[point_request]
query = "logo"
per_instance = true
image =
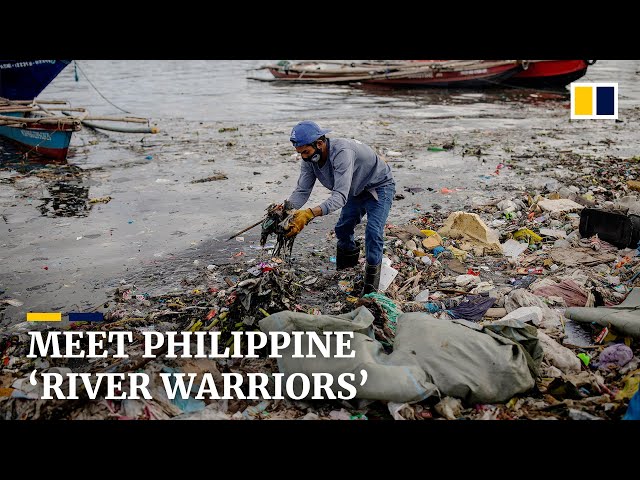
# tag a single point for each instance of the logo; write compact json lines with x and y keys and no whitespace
{"x":57,"y":317}
{"x":594,"y":101}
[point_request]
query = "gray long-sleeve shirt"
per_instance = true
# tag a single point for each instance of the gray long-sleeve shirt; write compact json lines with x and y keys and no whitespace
{"x":352,"y":168}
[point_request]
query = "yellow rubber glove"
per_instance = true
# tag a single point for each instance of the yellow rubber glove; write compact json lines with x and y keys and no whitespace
{"x":300,"y":219}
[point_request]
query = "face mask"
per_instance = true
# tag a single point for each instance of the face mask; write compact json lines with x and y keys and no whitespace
{"x":315,"y":157}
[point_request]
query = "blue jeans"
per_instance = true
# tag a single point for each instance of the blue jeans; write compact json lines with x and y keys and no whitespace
{"x":377,"y":212}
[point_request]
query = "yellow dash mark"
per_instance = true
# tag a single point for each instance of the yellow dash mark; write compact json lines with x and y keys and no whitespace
{"x":44,"y":317}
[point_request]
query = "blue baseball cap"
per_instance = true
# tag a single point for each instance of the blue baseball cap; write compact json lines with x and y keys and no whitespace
{"x":305,"y":133}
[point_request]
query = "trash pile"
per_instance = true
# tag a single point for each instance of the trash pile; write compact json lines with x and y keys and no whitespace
{"x":262,"y":290}
{"x":563,"y":260}
{"x":549,"y":277}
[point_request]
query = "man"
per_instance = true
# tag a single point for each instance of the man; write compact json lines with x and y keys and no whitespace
{"x":360,"y":183}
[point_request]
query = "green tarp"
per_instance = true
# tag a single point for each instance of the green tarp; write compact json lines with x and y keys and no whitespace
{"x":430,"y":356}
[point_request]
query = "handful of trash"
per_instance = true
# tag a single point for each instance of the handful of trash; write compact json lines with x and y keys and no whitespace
{"x":277,"y":223}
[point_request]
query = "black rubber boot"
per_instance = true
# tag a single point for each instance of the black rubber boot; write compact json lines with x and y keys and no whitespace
{"x":347,"y":258}
{"x":371,"y":278}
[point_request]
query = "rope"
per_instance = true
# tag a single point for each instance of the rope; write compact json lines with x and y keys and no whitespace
{"x":35,"y":148}
{"x":96,"y":89}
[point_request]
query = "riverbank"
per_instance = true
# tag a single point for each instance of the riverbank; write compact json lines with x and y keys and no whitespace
{"x":162,"y":234}
{"x":63,"y":259}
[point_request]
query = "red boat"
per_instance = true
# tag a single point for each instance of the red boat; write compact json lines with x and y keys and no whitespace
{"x":549,"y":73}
{"x":431,"y":73}
{"x":435,"y":73}
{"x":481,"y":73}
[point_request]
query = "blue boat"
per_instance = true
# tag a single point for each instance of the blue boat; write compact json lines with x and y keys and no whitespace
{"x":37,"y":126}
{"x":46,"y":136}
{"x":25,"y":79}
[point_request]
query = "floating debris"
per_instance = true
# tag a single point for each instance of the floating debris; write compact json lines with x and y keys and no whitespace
{"x":106,"y":199}
{"x":212,"y":178}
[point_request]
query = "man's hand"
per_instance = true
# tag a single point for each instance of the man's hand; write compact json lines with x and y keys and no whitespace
{"x":299,"y":221}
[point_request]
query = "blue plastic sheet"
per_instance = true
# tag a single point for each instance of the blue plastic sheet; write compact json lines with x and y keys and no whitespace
{"x":633,"y":411}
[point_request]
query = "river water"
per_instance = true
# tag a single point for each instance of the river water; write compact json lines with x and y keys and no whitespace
{"x":208,"y":90}
{"x":59,"y":252}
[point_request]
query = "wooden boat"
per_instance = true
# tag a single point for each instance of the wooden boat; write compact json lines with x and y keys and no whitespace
{"x":433,"y":73}
{"x":47,"y":130}
{"x":26,"y":79}
{"x":448,"y":73}
{"x":37,"y":130}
